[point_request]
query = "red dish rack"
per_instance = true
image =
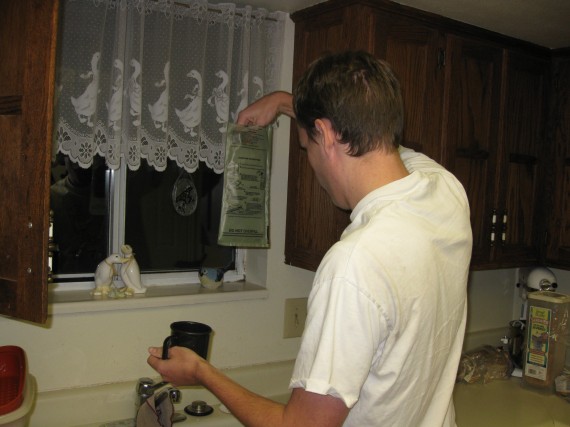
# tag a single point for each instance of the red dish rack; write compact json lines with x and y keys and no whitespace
{"x":12,"y":378}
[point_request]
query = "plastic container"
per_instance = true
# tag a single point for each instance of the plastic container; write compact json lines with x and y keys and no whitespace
{"x":21,"y":416}
{"x":12,"y":378}
{"x":546,"y":338}
{"x":17,"y":388}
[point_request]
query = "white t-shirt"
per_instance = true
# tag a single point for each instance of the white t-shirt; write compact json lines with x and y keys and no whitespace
{"x":387,"y":311}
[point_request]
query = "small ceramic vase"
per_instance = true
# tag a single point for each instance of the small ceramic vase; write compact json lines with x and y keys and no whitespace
{"x":211,"y":277}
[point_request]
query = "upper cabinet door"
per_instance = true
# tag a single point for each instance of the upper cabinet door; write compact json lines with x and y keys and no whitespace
{"x":558,"y":206}
{"x":416,"y":55}
{"x":471,"y":133}
{"x":314,"y":224}
{"x":524,"y":108}
{"x":28,"y":31}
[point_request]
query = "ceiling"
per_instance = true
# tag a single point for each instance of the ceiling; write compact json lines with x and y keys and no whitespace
{"x":542,"y":22}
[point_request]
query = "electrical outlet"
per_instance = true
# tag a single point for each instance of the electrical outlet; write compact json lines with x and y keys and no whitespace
{"x":295,"y":316}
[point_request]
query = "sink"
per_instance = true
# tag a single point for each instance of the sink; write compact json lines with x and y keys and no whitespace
{"x":112,"y":405}
{"x":219,"y":418}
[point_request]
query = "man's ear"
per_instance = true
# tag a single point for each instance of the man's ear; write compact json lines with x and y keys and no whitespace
{"x":326,"y":134}
{"x":329,"y":137}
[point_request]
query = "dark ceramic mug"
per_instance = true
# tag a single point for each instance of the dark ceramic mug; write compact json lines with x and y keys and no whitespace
{"x":192,"y":335}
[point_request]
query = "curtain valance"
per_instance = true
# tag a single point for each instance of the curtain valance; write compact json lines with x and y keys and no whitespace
{"x":158,"y":79}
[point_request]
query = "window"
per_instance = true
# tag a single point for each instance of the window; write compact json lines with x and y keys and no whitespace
{"x":169,"y":218}
{"x":144,"y":93}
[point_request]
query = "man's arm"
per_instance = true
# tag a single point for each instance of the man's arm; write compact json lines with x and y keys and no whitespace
{"x":266,"y":109}
{"x":184,"y":367}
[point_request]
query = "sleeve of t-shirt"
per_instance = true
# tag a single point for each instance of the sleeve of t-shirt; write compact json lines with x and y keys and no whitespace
{"x":343,"y":334}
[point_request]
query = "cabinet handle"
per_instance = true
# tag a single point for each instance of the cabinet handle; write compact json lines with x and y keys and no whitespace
{"x":52,"y":247}
{"x":522,"y":159}
{"x":440,"y":59}
{"x":493,"y":226}
{"x":504,"y":231}
{"x":472,"y":153}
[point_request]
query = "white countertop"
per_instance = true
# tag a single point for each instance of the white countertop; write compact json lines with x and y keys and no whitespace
{"x":507,"y":403}
{"x":500,"y":403}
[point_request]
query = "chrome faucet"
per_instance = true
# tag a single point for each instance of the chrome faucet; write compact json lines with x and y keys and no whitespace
{"x":146,"y":388}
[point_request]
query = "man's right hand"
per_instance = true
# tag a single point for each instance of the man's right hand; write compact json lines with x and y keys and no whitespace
{"x":266,"y":109}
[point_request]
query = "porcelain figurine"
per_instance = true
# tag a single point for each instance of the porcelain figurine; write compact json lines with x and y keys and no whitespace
{"x":122,"y":292}
{"x":211,"y":277}
{"x":104,"y":274}
{"x":130,"y":272}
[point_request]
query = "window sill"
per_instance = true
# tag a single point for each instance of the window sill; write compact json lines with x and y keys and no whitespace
{"x":81,"y":301}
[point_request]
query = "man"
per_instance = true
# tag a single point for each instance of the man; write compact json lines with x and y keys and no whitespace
{"x":387,"y":310}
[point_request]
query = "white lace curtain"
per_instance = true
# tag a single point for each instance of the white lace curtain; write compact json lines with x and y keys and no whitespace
{"x":158,"y":79}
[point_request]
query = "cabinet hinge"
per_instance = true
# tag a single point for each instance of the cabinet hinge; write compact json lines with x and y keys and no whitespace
{"x":441,"y":58}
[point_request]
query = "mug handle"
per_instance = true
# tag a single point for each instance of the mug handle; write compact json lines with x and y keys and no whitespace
{"x":166,"y":346}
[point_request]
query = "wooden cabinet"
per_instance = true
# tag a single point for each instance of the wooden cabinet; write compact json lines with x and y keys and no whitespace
{"x":558,"y":184}
{"x":416,"y":54}
{"x":494,"y":140}
{"x":522,"y":161}
{"x":28,"y":31}
{"x":414,"y":51}
{"x":313,"y":222}
{"x":470,"y":137}
{"x":473,"y":101}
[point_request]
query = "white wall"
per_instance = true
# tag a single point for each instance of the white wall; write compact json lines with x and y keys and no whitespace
{"x":563,"y":278}
{"x":75,"y":350}
{"x":490,"y":296}
{"x":495,"y":300}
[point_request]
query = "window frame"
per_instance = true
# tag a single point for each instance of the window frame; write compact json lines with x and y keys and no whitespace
{"x":116,"y":190}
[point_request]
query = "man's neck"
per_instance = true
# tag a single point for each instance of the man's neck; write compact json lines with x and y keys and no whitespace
{"x":371,"y":171}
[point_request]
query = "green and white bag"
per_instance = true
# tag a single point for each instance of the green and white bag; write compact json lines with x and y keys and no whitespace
{"x":245,"y":205}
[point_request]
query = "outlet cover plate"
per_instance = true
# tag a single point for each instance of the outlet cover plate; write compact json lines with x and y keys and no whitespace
{"x":295,"y":316}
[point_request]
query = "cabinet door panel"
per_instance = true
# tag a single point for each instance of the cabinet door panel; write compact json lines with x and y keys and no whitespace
{"x":413,"y":51}
{"x":558,"y":208}
{"x":27,"y":42}
{"x":559,"y":233}
{"x":470,"y":138}
{"x":523,"y":144}
{"x":314,"y":224}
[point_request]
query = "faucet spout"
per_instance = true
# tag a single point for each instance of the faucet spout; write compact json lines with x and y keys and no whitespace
{"x":146,"y":388}
{"x":169,"y":393}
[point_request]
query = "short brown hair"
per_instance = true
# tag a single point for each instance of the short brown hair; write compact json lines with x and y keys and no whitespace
{"x":359,"y":94}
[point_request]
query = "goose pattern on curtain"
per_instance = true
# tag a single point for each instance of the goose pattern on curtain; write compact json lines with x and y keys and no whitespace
{"x":158,"y":79}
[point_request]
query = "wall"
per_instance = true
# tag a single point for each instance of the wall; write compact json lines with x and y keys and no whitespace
{"x":495,"y":300}
{"x":490,"y":301}
{"x":75,"y":350}
{"x":563,"y":278}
